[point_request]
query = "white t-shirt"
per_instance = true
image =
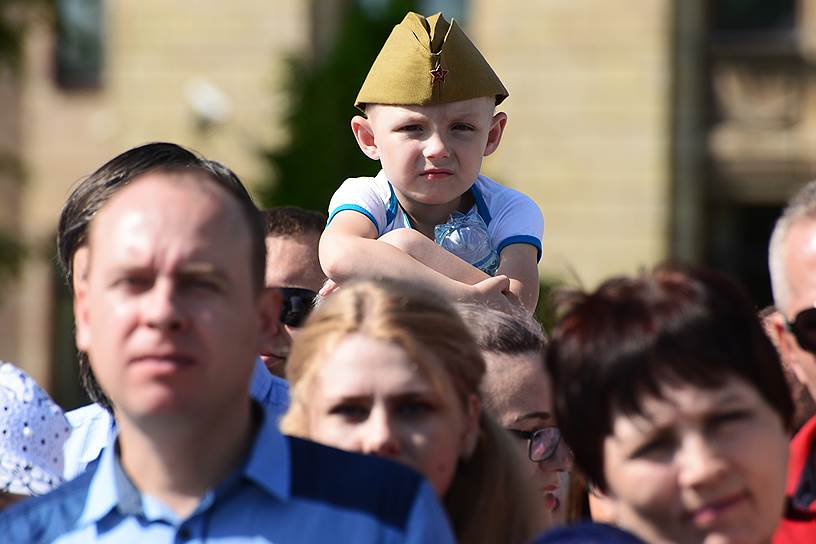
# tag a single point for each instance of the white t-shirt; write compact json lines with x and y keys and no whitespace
{"x":511,"y":217}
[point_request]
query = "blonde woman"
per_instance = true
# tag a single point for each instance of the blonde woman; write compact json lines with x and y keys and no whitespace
{"x":390,"y":370}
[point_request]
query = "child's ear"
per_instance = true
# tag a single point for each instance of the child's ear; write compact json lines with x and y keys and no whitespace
{"x":364,"y":134}
{"x":495,"y":134}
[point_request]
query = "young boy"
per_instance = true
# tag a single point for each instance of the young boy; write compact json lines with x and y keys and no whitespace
{"x":429,"y":102}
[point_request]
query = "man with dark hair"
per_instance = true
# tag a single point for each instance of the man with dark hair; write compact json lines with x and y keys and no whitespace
{"x":293,"y":268}
{"x":92,"y":424}
{"x":172,"y":312}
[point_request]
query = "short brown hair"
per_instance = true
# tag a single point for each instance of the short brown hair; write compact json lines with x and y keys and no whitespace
{"x":499,"y":332}
{"x":293,"y":221}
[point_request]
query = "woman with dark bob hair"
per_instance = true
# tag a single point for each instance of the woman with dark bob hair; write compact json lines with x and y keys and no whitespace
{"x":675,"y":405}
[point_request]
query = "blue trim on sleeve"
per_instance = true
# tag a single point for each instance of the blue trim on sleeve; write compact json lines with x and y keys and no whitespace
{"x":391,"y":208}
{"x":481,"y":207}
{"x":354,"y":208}
{"x":521,"y":239}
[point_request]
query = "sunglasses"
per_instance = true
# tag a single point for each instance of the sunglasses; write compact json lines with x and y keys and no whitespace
{"x":297,"y":305}
{"x":541,"y":444}
{"x":803,"y":328}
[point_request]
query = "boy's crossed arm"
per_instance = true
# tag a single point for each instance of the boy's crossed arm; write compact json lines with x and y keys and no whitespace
{"x":349,"y":249}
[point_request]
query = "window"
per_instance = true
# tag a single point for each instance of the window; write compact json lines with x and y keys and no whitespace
{"x":79,"y":48}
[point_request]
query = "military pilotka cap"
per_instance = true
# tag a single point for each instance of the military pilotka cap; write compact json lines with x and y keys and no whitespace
{"x":428,"y":61}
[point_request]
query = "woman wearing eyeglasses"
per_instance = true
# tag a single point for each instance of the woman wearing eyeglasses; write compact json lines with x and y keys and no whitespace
{"x":390,"y":370}
{"x":673,"y":401}
{"x":517,"y":393}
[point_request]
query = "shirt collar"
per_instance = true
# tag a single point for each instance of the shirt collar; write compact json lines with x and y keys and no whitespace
{"x":393,"y":203}
{"x":261,"y":380}
{"x":481,"y":206}
{"x":103,"y":495}
{"x":267,"y":465}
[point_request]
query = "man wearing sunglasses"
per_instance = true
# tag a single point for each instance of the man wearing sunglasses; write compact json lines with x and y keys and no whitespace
{"x":792,"y":261}
{"x":292,"y":266}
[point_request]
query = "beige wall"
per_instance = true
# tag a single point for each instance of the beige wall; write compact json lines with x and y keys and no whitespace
{"x":588,"y":133}
{"x":588,"y":136}
{"x":155,"y":50}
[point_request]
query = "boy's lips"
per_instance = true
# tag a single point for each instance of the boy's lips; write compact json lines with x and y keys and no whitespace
{"x":436,"y":173}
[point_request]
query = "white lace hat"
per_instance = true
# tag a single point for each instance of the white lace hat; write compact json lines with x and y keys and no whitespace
{"x":33,"y":430}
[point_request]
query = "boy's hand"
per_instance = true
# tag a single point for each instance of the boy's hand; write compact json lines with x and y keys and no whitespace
{"x":493,"y":292}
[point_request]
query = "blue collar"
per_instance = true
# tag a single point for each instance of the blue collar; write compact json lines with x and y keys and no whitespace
{"x":394,"y":205}
{"x":267,"y":466}
{"x":263,"y":380}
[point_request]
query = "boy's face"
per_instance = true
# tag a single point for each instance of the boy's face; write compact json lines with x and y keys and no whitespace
{"x":431,"y":154}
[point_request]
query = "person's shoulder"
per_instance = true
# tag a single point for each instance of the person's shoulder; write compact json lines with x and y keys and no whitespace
{"x":44,"y":518}
{"x":588,"y":533}
{"x":364,"y":484}
{"x":492,"y":190}
{"x":801,"y":450}
{"x":806,"y":436}
{"x":379,"y":183}
{"x":88,"y":414}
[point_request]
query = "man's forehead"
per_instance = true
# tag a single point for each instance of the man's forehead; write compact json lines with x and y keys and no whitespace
{"x":151,"y":190}
{"x":292,"y":261}
{"x":175,"y":214}
{"x":800,"y":260}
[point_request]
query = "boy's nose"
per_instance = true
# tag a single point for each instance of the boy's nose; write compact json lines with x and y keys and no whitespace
{"x":436,"y":147}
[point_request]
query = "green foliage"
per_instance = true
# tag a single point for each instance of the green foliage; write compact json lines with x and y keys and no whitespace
{"x":14,"y":18}
{"x":322,"y":152}
{"x":11,"y":255}
{"x":11,"y":32}
{"x":546,"y":309}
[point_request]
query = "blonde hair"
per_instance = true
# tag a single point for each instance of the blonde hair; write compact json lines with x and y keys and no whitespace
{"x":489,"y":500}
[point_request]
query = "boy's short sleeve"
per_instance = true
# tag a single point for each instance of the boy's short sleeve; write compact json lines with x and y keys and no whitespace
{"x":514,"y":217}
{"x":366,"y":196}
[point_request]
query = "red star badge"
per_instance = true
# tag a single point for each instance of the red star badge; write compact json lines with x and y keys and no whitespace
{"x":439,"y":74}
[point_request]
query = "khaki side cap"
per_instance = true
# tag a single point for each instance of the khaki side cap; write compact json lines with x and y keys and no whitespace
{"x":401,"y":73}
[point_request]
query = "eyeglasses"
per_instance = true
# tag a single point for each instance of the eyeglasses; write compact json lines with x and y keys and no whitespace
{"x":542,"y":443}
{"x":803,"y":328}
{"x":297,"y":305}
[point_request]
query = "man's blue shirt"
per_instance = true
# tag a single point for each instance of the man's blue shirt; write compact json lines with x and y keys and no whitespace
{"x":286,"y":490}
{"x":92,"y":426}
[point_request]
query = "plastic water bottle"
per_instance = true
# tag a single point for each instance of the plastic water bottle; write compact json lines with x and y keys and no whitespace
{"x":465,"y":235}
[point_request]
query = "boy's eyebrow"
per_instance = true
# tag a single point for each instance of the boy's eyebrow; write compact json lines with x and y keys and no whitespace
{"x":410,"y":116}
